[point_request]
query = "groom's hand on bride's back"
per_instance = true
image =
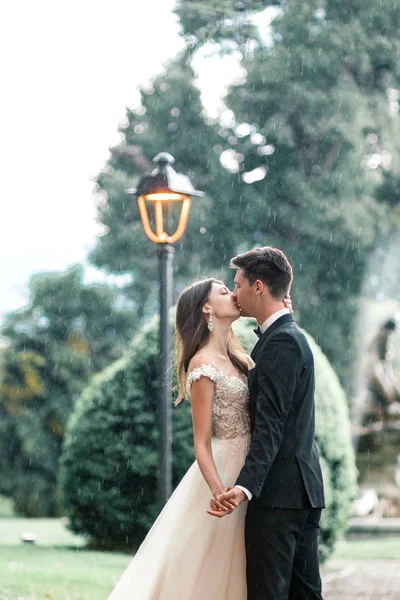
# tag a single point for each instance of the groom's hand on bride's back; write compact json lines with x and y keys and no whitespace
{"x":287,"y":301}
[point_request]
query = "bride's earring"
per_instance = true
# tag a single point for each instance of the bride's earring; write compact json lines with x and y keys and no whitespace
{"x":210,"y":323}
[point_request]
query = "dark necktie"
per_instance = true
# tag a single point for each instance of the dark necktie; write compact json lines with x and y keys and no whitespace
{"x":257,"y":332}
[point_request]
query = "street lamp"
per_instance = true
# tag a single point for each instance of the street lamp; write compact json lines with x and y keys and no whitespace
{"x":164,"y":199}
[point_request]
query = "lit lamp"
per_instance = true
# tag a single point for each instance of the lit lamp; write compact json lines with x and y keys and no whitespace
{"x":164,"y":199}
{"x":162,"y":191}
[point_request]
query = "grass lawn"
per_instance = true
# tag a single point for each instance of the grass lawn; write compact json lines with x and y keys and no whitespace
{"x":373,"y":549}
{"x":36,"y":573}
{"x":59,"y":568}
{"x":6,"y":508}
{"x":50,"y":532}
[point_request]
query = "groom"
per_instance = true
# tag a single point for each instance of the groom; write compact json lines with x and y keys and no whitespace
{"x":281,"y":477}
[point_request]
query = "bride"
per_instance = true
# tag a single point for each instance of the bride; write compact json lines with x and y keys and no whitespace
{"x":188,"y":554}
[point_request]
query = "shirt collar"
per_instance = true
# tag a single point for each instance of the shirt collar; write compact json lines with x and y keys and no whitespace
{"x":274,"y":317}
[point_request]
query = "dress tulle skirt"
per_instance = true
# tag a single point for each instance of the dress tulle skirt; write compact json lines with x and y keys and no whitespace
{"x":188,"y":554}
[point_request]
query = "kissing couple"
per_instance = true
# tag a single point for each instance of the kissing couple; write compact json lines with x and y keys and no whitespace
{"x":244,"y":520}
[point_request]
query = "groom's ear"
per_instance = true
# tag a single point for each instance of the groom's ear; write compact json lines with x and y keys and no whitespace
{"x":259,"y":287}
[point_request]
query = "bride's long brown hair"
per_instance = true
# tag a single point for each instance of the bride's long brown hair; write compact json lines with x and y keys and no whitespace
{"x":192,"y":333}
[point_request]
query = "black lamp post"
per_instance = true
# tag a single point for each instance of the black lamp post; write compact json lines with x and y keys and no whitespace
{"x":164,"y":199}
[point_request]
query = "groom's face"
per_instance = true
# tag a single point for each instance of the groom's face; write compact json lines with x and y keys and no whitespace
{"x":244,"y":295}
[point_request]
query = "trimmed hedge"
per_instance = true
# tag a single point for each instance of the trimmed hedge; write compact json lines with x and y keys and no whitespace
{"x":338,"y":460}
{"x":110,"y":462}
{"x":109,"y":466}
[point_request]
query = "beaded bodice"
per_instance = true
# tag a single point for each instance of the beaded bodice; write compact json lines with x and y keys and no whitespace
{"x":230,"y":416}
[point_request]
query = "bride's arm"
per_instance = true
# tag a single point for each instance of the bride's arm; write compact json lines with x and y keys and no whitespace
{"x":202,"y":394}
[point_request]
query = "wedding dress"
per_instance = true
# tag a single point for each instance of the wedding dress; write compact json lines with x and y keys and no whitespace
{"x":189,"y":554}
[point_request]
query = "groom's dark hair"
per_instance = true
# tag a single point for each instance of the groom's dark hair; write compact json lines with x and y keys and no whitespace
{"x":269,"y":265}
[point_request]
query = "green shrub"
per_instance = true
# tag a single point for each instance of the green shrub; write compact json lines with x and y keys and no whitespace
{"x":334,"y":440}
{"x":110,"y":462}
{"x":68,"y":331}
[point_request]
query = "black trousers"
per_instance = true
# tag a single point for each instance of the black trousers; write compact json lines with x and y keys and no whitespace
{"x":282,"y":553}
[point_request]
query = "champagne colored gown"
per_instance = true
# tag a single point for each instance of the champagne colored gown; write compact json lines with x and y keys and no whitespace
{"x":188,"y":554}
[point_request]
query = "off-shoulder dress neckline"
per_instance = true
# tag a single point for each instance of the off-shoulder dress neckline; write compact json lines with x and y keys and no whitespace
{"x":210,"y":364}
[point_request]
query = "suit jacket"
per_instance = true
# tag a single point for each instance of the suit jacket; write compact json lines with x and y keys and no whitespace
{"x":282,"y":466}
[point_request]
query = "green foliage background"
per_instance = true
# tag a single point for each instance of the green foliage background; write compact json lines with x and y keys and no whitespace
{"x":313,"y":115}
{"x":67,"y":332}
{"x":304,"y":156}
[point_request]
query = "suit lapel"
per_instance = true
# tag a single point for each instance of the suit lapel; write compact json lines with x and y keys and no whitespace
{"x":267,"y":333}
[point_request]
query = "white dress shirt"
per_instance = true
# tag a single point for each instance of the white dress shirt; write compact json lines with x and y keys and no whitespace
{"x":263,"y":328}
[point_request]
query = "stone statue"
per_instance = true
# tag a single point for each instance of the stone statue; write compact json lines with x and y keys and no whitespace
{"x":377,"y":428}
{"x":382,"y":383}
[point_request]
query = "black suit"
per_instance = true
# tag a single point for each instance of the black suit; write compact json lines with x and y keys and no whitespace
{"x":282,"y":469}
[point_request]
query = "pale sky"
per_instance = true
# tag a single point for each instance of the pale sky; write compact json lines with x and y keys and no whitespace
{"x":69,"y":69}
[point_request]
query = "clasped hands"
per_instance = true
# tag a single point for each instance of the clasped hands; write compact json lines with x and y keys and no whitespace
{"x":226,"y":501}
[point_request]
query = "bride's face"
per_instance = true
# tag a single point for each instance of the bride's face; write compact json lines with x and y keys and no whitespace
{"x":221,"y":303}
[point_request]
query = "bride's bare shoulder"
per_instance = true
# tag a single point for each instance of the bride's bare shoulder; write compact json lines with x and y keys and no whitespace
{"x":198,"y":360}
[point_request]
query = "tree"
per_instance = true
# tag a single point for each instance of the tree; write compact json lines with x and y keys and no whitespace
{"x":110,"y":459}
{"x":68,"y":331}
{"x":171,"y":117}
{"x":308,"y":162}
{"x":320,"y":106}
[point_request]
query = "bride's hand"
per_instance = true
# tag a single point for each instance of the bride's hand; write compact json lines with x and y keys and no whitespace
{"x":287,"y":301}
{"x":229,"y":505}
{"x":217,"y":508}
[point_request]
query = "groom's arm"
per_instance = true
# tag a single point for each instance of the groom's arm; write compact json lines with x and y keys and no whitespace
{"x":278,"y":371}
